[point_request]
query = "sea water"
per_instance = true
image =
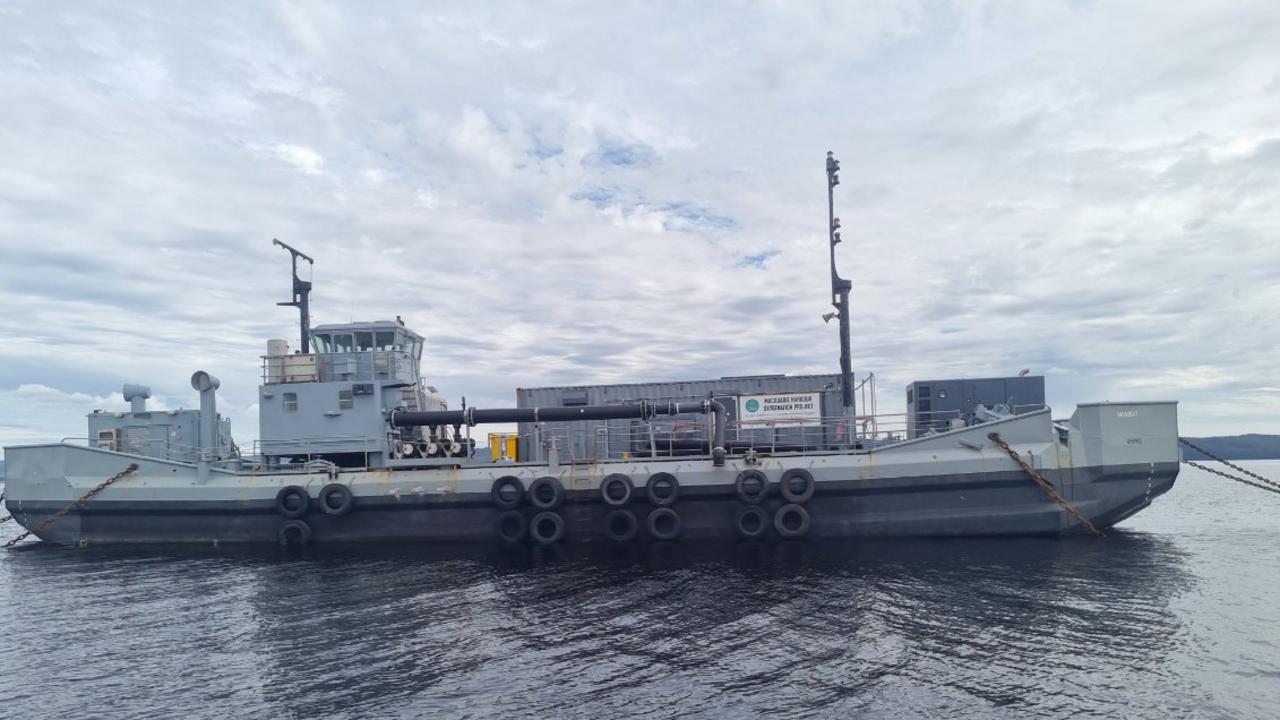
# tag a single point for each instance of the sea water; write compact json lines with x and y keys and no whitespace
{"x":1174,"y":614}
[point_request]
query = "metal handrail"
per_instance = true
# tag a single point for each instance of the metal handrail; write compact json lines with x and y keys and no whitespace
{"x":354,"y":366}
{"x":670,"y":437}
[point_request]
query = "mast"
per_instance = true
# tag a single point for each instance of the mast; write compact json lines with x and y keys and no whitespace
{"x":839,"y":297}
{"x":301,"y":294}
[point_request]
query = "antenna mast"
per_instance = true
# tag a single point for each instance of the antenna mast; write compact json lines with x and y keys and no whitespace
{"x":839,"y":297}
{"x":301,"y":293}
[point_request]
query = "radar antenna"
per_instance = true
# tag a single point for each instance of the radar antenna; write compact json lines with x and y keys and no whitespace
{"x":301,"y":293}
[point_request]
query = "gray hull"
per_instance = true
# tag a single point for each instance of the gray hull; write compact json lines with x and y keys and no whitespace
{"x":1109,"y":461}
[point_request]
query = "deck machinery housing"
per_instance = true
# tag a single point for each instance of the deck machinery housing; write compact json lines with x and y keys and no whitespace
{"x":355,"y":446}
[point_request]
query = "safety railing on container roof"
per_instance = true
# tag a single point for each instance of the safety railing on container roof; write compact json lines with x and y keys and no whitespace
{"x":583,"y":442}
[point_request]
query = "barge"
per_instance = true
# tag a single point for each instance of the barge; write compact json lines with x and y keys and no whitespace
{"x":355,"y":446}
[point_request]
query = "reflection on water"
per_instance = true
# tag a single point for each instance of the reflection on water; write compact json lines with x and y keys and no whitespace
{"x":790,"y":628}
{"x":1131,"y":626}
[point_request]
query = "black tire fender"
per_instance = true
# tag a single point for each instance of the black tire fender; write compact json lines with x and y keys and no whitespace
{"x":752,"y":486}
{"x":294,"y":533}
{"x":663,"y":489}
{"x":788,"y":528}
{"x":547,"y":527}
{"x":752,"y":521}
{"x":616,"y":489}
{"x":664,"y":523}
{"x":512,"y":527}
{"x":546,"y":493}
{"x":507,"y":492}
{"x":794,"y":477}
{"x":293,"y":501}
{"x":621,"y":526}
{"x":336,"y":499}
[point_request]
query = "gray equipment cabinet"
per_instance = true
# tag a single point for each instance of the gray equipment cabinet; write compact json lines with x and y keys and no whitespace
{"x":938,"y":405}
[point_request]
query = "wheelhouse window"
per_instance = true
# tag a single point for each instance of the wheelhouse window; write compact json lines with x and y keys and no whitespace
{"x":342,"y":343}
{"x":291,"y":402}
{"x":387,"y":340}
{"x":320,"y":343}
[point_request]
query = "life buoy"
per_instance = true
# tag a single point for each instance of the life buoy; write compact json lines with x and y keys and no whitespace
{"x":752,"y":521}
{"x":292,"y":501}
{"x":621,"y":525}
{"x":512,"y":526}
{"x":663,"y":489}
{"x":792,"y":521}
{"x":664,"y":524}
{"x":797,"y":485}
{"x":507,"y":492}
{"x":336,"y":499}
{"x":546,"y":493}
{"x":547,"y":527}
{"x":294,"y":533}
{"x":752,"y":486}
{"x":616,"y":489}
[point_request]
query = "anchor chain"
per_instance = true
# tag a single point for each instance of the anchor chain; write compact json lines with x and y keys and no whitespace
{"x":1274,"y":486}
{"x":1229,"y":476}
{"x":78,"y":502}
{"x":1044,"y":484}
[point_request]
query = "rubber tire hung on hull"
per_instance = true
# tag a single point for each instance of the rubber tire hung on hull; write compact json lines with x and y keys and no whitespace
{"x":507,"y":492}
{"x":621,"y":525}
{"x":752,"y":486}
{"x":801,"y":478}
{"x":664,"y":524}
{"x":292,"y":501}
{"x":663,"y":489}
{"x":512,"y":526}
{"x":547,"y":527}
{"x":546,"y":493}
{"x":616,"y":489}
{"x":336,"y":499}
{"x":785,"y":528}
{"x":752,"y":522}
{"x":294,"y":533}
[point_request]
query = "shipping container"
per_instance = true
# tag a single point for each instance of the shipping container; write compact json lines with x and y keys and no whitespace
{"x":815,"y":396}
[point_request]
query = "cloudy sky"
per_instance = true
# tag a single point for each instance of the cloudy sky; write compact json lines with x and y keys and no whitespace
{"x":556,"y":193}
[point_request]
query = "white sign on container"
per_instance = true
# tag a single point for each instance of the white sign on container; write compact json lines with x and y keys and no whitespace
{"x":781,"y":409}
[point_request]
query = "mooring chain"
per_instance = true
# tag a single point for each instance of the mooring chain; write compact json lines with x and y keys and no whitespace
{"x":1229,"y":464}
{"x":1044,"y":484}
{"x":78,"y":502}
{"x":1229,"y":476}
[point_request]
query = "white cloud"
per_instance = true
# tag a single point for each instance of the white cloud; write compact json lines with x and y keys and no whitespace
{"x":1082,"y":189}
{"x":304,"y":158}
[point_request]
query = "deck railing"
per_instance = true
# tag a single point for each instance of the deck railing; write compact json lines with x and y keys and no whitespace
{"x":671,"y":438}
{"x":336,"y":367}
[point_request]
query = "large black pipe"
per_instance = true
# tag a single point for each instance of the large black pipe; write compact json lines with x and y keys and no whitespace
{"x":641,"y":411}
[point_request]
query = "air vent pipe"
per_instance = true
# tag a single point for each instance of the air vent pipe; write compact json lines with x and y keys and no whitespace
{"x":207,"y":385}
{"x":136,"y":396}
{"x":642,"y":410}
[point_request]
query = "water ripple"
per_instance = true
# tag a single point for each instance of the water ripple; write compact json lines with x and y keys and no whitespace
{"x":1173,"y":617}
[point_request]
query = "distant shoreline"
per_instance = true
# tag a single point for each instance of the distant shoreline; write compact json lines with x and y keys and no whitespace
{"x":1252,"y":446}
